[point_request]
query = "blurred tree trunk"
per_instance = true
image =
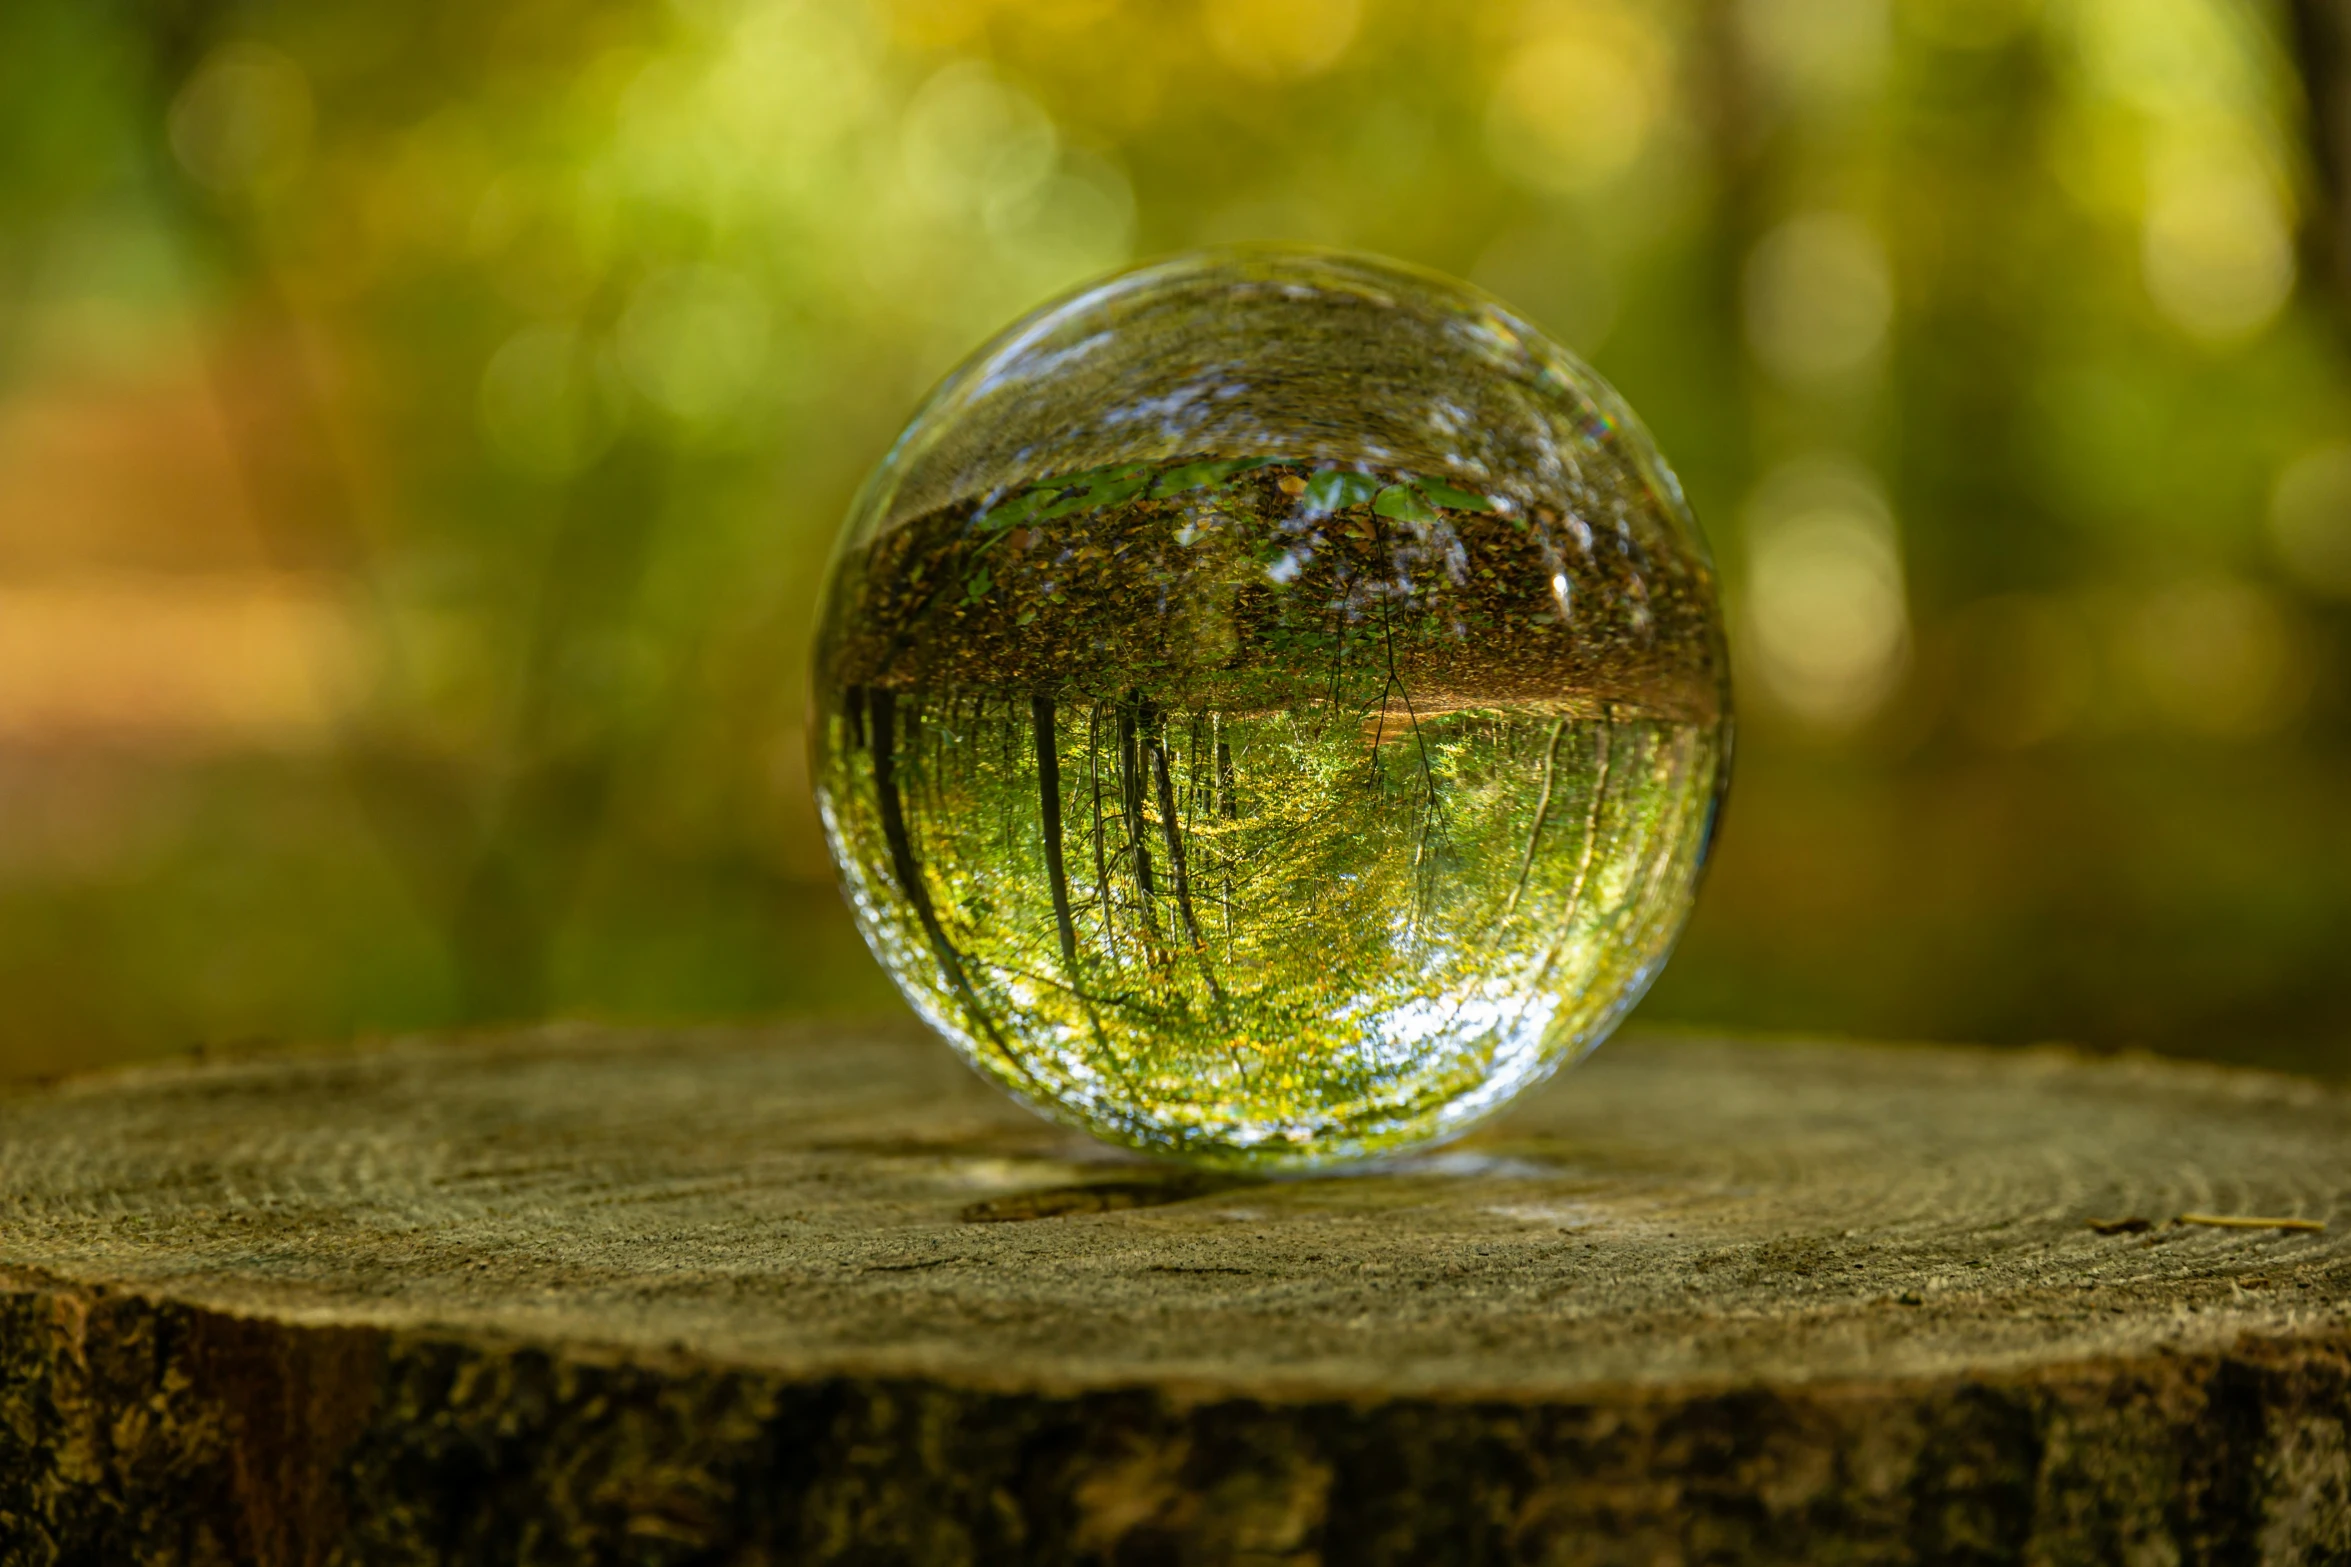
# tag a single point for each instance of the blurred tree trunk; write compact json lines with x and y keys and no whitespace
{"x":2322,"y":50}
{"x":494,"y":849}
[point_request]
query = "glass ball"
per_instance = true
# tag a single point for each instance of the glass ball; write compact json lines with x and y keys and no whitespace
{"x":1270,"y":708}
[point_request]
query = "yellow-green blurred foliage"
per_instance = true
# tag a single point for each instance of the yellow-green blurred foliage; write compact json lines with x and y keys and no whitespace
{"x":422,"y":425}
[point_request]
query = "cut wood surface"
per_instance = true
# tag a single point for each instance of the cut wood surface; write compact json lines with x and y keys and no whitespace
{"x":818,"y":1294}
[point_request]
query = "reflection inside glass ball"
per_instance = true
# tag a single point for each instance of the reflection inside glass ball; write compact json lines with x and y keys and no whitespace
{"x":1270,"y":708}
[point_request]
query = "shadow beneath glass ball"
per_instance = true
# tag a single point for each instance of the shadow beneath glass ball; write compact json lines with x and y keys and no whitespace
{"x":1061,"y":1202}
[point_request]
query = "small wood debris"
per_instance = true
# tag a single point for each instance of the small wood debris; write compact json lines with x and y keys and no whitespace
{"x":2130,"y":1226}
{"x":2246,"y":1221}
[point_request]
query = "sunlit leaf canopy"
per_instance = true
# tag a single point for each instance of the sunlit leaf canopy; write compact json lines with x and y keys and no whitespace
{"x":422,"y":427}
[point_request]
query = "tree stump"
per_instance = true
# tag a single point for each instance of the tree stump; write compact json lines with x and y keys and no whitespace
{"x":819,"y":1295}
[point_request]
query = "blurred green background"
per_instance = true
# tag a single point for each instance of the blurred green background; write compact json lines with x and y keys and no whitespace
{"x":422,"y":425}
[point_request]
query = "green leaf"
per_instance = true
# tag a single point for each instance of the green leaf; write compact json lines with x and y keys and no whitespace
{"x":1404,"y":503}
{"x":1193,"y":475}
{"x":1019,"y":508}
{"x":1459,"y":500}
{"x":1334,"y":488}
{"x":1102,"y":487}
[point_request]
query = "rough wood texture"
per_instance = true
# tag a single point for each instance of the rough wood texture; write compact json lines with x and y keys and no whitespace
{"x":821,"y":1296}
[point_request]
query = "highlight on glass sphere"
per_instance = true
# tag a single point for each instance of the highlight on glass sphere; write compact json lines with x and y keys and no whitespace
{"x":1271,"y":708}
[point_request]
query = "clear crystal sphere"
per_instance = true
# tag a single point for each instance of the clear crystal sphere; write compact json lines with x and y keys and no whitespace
{"x":1270,"y":708}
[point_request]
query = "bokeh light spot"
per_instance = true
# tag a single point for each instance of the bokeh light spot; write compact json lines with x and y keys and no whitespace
{"x":2219,"y":657}
{"x":972,"y":142}
{"x":695,"y":342}
{"x":547,"y":405}
{"x":2168,"y":57}
{"x":1282,"y":38}
{"x":1574,"y":108}
{"x":2217,"y":243}
{"x":1826,"y":614}
{"x":1078,"y":221}
{"x":1813,"y":48}
{"x":2310,"y":518}
{"x":1819,"y":297}
{"x":242,"y":123}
